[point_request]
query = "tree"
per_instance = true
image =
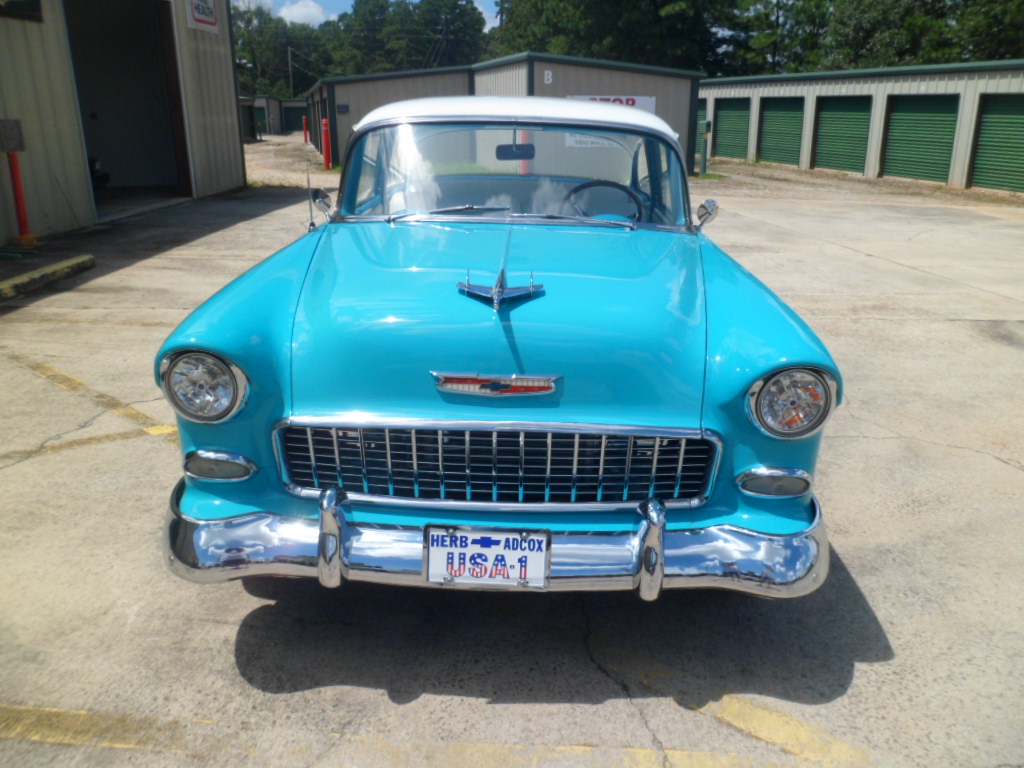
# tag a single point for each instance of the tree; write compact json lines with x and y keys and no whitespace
{"x":865,"y":33}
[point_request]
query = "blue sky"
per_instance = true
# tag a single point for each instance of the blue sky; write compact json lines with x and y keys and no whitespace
{"x":318,"y":11}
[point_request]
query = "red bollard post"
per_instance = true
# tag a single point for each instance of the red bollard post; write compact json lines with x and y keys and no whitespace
{"x":24,"y":238}
{"x":305,"y":129}
{"x":325,"y":144}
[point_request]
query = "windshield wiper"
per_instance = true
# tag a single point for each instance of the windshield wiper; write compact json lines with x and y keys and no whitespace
{"x":467,"y":208}
{"x":618,"y":223}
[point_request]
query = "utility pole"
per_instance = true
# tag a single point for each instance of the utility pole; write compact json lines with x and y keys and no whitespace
{"x":291,"y":83}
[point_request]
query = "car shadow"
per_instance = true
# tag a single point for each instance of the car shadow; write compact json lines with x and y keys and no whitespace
{"x":694,"y":646}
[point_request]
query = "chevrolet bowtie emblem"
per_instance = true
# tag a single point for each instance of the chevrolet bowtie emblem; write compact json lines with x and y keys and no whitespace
{"x":490,"y":386}
{"x":500,"y":292}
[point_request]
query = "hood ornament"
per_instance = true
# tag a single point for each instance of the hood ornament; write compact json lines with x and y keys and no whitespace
{"x":490,"y":386}
{"x":500,"y":291}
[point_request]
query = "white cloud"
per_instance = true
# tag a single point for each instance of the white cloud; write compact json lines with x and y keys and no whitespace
{"x":303,"y":12}
{"x":489,"y":9}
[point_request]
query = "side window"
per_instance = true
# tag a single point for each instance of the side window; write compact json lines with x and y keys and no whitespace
{"x":643,"y":171}
{"x":368,"y":188}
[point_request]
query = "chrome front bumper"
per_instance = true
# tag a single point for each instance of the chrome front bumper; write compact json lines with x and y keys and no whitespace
{"x":646,"y":559}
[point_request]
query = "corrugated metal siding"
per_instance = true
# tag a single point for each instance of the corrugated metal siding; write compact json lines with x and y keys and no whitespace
{"x":999,"y":153}
{"x":919,"y":137}
{"x":672,"y":94}
{"x":509,"y":80}
{"x":731,"y":128}
{"x":37,"y":87}
{"x":841,"y":138}
{"x":211,"y":117}
{"x":782,"y":122}
{"x":363,"y":96}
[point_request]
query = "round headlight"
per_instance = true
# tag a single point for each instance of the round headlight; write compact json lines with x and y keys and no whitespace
{"x":791,"y":403}
{"x":203,"y":387}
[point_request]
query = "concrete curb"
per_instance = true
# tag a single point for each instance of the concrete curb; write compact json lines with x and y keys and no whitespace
{"x":16,"y":286}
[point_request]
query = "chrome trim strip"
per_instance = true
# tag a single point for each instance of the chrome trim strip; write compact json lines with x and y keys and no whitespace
{"x":774,"y":472}
{"x":363,"y":420}
{"x":647,"y":558}
{"x":231,"y":458}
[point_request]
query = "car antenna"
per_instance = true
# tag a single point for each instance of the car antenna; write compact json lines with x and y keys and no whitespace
{"x":309,"y":199}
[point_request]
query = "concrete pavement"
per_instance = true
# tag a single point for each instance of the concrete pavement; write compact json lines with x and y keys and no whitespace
{"x":909,"y":656}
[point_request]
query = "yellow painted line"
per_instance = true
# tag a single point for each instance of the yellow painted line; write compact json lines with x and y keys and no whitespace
{"x":86,"y":442}
{"x":791,"y":735}
{"x":92,"y":729}
{"x":49,"y":725}
{"x":107,"y":402}
{"x":39,"y":277}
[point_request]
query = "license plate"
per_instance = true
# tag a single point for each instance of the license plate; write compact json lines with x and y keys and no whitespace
{"x":487,"y":558}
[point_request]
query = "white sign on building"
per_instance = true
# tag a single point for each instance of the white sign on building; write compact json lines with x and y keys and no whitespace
{"x":202,"y":14}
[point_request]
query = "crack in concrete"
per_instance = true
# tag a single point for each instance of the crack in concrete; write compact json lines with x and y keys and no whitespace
{"x":894,"y":435}
{"x":588,"y":633}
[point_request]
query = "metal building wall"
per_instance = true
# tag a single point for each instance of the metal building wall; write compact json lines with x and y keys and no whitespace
{"x":355,"y":97}
{"x":206,"y":69}
{"x":504,"y":80}
{"x":970,"y":81}
{"x":672,"y":94}
{"x":38,"y":88}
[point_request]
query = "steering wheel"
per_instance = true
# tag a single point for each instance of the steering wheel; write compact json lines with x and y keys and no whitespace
{"x":633,"y":196}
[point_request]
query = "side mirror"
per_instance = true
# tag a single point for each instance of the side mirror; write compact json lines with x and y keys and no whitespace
{"x":322,"y":200}
{"x":706,"y":213}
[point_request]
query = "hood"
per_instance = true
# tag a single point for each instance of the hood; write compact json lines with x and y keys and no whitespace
{"x":620,"y":320}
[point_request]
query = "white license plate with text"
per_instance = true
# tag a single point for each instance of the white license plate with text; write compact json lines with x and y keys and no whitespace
{"x":487,"y":558}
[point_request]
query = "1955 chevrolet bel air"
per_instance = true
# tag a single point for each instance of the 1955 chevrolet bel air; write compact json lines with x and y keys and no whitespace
{"x":510,"y":359}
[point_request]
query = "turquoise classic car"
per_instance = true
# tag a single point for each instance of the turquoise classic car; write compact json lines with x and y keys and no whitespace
{"x":509,"y":359}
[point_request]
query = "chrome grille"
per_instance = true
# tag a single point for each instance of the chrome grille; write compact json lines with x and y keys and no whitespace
{"x":496,"y":466}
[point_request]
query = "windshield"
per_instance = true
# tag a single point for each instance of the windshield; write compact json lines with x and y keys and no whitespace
{"x":501,"y":171}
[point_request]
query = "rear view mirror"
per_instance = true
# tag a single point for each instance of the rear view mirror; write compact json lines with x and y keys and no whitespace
{"x":515,"y":151}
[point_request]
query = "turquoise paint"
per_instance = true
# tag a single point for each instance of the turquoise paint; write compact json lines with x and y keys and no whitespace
{"x":648,"y":328}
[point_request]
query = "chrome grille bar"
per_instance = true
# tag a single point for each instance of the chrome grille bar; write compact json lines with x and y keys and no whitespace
{"x":504,"y":466}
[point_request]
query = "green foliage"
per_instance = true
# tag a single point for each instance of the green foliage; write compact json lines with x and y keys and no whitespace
{"x":719,"y":37}
{"x":375,"y":36}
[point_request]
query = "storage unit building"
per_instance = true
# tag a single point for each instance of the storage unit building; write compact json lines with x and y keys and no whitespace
{"x":163,"y":128}
{"x":957,"y":124}
{"x":669,"y":93}
{"x":343,"y":101}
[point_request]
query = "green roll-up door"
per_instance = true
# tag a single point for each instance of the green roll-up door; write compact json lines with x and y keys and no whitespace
{"x":841,"y":138}
{"x":782,"y":124}
{"x":261,"y":119}
{"x":999,"y":147}
{"x":702,"y":114}
{"x":293,"y":118}
{"x":731,"y":128}
{"x":919,"y":137}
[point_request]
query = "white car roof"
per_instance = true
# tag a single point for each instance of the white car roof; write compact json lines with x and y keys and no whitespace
{"x":520,"y":108}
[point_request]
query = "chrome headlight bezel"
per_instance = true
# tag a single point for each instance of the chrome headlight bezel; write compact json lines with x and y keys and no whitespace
{"x":829,"y":387}
{"x":239,"y":383}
